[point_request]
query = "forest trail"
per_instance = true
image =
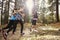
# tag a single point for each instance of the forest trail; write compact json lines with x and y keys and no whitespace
{"x":43,"y":33}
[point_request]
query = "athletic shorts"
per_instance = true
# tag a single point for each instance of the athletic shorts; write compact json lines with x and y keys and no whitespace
{"x":33,"y":22}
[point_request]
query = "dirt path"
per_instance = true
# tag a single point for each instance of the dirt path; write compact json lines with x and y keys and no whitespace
{"x":52,"y":34}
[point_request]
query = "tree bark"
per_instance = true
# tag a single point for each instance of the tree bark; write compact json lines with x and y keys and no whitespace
{"x":15,"y":3}
{"x":6,"y":12}
{"x":57,"y":11}
{"x":2,"y":13}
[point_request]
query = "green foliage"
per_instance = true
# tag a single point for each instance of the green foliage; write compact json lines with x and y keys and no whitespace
{"x":49,"y":1}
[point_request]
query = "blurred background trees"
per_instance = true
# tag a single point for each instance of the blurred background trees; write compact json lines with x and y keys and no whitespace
{"x":47,"y":10}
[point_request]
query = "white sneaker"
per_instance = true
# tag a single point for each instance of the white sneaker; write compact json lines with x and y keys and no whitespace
{"x":35,"y":30}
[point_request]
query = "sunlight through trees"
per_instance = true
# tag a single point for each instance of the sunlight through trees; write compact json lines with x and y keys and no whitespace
{"x":48,"y":9}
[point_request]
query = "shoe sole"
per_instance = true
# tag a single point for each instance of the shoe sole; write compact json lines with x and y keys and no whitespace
{"x":5,"y":37}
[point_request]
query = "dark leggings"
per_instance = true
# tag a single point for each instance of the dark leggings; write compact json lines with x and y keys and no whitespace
{"x":11,"y":25}
{"x":22,"y":25}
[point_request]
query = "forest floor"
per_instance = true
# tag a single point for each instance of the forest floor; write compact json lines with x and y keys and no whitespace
{"x":45,"y":32}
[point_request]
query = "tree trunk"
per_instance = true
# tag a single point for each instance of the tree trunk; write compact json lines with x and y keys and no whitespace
{"x":6,"y":12}
{"x":15,"y":3}
{"x":57,"y":11}
{"x":2,"y":13}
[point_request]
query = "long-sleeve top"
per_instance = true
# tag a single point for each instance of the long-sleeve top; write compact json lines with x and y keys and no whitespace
{"x":35,"y":16}
{"x":18,"y":16}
